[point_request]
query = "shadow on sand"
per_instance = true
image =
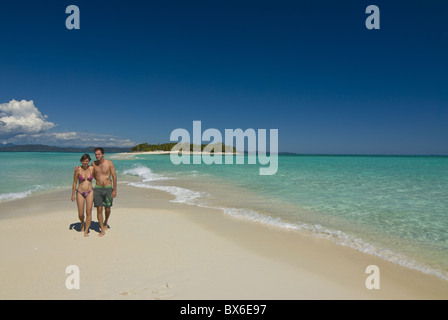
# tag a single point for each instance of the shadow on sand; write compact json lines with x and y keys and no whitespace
{"x":94,"y":225}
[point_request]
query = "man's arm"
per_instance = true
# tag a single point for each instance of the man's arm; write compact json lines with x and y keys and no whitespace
{"x":78,"y":168}
{"x":114,"y":179}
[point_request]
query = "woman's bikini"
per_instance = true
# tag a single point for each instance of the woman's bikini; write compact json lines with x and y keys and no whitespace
{"x":81,"y":180}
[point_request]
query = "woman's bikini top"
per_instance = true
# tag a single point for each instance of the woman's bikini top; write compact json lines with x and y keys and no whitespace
{"x":82,"y":179}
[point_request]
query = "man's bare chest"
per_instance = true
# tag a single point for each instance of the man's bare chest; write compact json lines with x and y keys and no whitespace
{"x":103,"y":169}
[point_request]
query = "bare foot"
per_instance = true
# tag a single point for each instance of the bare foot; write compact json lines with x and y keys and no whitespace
{"x":86,"y":234}
{"x":102,"y":233}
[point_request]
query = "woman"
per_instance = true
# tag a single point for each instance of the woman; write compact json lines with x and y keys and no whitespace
{"x":84,"y":193}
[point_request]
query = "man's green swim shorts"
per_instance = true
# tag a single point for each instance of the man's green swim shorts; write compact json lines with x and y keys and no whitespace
{"x":102,"y":196}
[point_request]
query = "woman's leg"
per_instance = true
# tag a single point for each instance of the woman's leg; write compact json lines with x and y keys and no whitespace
{"x":89,"y":205}
{"x":80,"y":201}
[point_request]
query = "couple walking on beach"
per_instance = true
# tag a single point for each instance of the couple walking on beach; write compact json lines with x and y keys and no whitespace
{"x":102,"y":196}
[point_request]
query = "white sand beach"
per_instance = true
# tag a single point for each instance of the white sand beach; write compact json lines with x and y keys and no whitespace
{"x":157,"y":249}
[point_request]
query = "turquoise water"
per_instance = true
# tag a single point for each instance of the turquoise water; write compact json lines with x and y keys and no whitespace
{"x":389,"y":206}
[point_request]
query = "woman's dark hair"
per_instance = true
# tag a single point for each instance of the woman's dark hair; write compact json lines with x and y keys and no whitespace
{"x":84,"y":157}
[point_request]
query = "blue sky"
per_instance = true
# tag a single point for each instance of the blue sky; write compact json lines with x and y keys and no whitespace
{"x":137,"y":70}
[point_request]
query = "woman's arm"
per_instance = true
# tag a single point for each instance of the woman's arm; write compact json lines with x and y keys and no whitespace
{"x":75,"y":183}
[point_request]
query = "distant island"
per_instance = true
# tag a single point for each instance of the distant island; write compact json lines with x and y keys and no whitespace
{"x":142,"y":147}
{"x":174,"y":146}
{"x":45,"y":148}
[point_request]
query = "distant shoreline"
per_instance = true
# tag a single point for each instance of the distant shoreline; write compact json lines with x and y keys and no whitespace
{"x":180,"y":152}
{"x":46,"y":148}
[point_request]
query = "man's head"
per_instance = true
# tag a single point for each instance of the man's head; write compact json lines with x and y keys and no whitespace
{"x":99,"y":153}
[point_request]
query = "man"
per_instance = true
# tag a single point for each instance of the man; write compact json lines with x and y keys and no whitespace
{"x":105,"y":189}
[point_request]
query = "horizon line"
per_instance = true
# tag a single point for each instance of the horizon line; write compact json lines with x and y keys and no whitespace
{"x":246,"y":152}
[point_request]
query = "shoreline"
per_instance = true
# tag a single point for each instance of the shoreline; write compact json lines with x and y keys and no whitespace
{"x":157,"y":249}
{"x":179,"y":152}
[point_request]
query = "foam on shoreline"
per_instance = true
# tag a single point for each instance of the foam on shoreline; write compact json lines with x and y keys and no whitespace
{"x":196,"y":198}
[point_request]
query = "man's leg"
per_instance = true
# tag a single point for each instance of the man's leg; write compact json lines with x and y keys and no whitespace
{"x":107,"y":205}
{"x":107,"y":213}
{"x":99,"y":212}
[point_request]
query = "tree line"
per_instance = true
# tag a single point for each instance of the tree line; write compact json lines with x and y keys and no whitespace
{"x":175,"y":146}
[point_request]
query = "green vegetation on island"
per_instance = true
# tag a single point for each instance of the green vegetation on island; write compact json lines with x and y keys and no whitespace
{"x":174,"y":146}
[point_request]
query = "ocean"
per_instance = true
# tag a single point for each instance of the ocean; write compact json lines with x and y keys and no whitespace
{"x":394,"y":207}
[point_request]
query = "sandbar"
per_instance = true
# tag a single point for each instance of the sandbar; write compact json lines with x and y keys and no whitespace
{"x":157,"y":249}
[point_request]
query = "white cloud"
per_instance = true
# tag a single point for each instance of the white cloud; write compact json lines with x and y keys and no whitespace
{"x":22,"y":123}
{"x":22,"y":117}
